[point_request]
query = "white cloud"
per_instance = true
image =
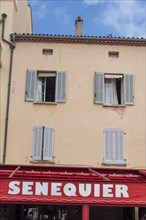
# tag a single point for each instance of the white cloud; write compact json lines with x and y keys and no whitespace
{"x":40,"y":9}
{"x":92,"y":2}
{"x":125,"y":17}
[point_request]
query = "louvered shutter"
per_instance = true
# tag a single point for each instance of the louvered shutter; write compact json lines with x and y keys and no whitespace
{"x":37,"y":143}
{"x":108,"y":145}
{"x":129,"y":89}
{"x":99,"y":88}
{"x":114,"y":145}
{"x":61,"y":87}
{"x":48,"y":143}
{"x":30,"y":85}
{"x":119,"y":145}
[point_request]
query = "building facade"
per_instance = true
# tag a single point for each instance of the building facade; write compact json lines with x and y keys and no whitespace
{"x":72,"y":97}
{"x":79,"y":102}
{"x":15,"y":17}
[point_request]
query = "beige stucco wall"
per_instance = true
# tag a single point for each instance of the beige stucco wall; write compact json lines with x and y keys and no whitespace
{"x":16,"y":21}
{"x":78,"y":123}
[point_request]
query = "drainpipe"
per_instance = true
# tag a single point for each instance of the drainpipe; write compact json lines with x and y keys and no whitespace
{"x":12,"y":47}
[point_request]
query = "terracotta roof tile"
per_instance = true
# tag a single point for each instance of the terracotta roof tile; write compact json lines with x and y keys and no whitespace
{"x":101,"y":40}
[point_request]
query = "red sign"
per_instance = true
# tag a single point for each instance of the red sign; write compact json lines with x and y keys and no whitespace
{"x":75,"y":192}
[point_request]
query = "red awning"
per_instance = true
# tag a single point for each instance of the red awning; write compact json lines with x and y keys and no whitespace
{"x":72,"y":185}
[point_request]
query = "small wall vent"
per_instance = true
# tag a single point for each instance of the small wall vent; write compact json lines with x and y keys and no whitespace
{"x":47,"y":51}
{"x":114,"y":54}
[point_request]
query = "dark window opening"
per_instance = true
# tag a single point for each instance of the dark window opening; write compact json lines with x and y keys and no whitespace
{"x":50,"y":89}
{"x":119,"y":92}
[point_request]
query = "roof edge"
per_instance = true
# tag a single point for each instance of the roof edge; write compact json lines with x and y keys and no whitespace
{"x":79,"y":39}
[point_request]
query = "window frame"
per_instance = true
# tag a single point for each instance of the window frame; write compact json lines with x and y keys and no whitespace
{"x":114,"y":95}
{"x":128,"y":88}
{"x":45,"y":75}
{"x":31,"y":86}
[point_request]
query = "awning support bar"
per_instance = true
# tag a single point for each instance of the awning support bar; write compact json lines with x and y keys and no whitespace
{"x":13,"y":173}
{"x":142,"y":172}
{"x":99,"y":174}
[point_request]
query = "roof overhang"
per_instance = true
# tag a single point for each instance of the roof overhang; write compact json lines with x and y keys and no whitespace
{"x":95,"y":40}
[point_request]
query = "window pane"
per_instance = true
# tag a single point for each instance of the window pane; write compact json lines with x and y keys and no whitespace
{"x":113,"y":90}
{"x":50,"y":89}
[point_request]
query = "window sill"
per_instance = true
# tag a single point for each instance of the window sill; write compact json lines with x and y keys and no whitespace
{"x":112,"y":163}
{"x":117,"y":106}
{"x":46,"y":103}
{"x":42,"y":161}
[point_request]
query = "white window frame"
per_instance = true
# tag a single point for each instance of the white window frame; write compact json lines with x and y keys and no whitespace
{"x":114,"y":94}
{"x":114,"y":146}
{"x":44,"y":76}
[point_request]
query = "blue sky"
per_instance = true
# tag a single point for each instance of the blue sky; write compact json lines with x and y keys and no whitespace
{"x":124,"y":18}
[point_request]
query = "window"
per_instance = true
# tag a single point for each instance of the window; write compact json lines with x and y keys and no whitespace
{"x":113,"y":89}
{"x":44,"y":86}
{"x":43,"y":141}
{"x":114,"y":146}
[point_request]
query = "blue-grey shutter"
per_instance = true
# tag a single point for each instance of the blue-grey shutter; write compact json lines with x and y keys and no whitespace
{"x":48,"y":143}
{"x":61,"y":87}
{"x":99,"y":88}
{"x":119,"y":145}
{"x":30,"y":85}
{"x":128,"y":89}
{"x":113,"y":145}
{"x":37,"y":143}
{"x":108,"y":145}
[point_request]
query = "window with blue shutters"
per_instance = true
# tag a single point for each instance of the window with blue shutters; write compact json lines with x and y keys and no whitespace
{"x":114,"y":146}
{"x":43,"y":143}
{"x":45,"y":87}
{"x":113,"y":89}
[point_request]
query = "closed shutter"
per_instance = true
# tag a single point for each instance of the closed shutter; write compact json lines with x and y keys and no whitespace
{"x":37,"y":143}
{"x":30,"y":85}
{"x":129,"y":89}
{"x":113,"y":145}
{"x":99,"y":88}
{"x":119,"y":145}
{"x":48,"y":143}
{"x":61,"y":87}
{"x":108,"y":145}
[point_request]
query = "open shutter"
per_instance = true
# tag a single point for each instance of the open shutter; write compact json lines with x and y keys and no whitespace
{"x":99,"y":88}
{"x":30,"y":85}
{"x":61,"y":87}
{"x":48,"y":143}
{"x":37,"y":143}
{"x":129,"y":89}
